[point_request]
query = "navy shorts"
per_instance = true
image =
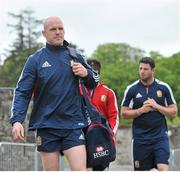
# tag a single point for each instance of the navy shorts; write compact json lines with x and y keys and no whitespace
{"x":52,"y":140}
{"x":147,"y":155}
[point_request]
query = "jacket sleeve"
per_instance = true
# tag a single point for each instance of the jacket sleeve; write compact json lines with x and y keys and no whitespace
{"x":92,"y":79}
{"x":113,"y":113}
{"x":23,"y":92}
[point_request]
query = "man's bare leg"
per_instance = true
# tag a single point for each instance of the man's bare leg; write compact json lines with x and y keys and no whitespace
{"x":162,"y":167}
{"x":50,"y":161}
{"x":76,"y":157}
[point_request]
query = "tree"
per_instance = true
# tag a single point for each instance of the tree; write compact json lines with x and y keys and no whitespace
{"x":117,"y":59}
{"x":115,"y":53}
{"x":12,"y":67}
{"x":168,"y":71}
{"x":26,"y":28}
{"x":155,"y":55}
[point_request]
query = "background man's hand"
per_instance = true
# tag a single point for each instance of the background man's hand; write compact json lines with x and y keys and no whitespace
{"x":151,"y":102}
{"x":145,"y":109}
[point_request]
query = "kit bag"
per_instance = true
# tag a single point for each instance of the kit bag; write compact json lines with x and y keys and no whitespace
{"x":100,"y":143}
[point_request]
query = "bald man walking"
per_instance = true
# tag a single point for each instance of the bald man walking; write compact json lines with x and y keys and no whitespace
{"x":53,"y":81}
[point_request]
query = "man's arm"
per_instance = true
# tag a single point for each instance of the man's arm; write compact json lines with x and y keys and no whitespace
{"x":113,"y":113}
{"x":127,"y":110}
{"x":129,"y":113}
{"x":23,"y":92}
{"x":170,"y":108}
{"x":169,"y":111}
{"x":21,"y":99}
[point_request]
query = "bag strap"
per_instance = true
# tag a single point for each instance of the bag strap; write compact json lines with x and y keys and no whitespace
{"x":72,"y":52}
{"x":93,"y":117}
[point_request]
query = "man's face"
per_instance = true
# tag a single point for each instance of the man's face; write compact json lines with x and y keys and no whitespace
{"x":146,"y":73}
{"x":54,"y":31}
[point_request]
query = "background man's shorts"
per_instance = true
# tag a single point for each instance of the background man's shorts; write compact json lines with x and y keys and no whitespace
{"x":52,"y":140}
{"x":148,"y":155}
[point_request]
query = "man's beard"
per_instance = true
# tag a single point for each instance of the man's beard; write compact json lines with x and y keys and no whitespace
{"x":147,"y":79}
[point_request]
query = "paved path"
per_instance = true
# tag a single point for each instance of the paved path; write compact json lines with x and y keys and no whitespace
{"x":120,"y":168}
{"x":113,"y":168}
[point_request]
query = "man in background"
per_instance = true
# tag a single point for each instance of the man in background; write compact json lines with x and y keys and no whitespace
{"x":148,"y":101}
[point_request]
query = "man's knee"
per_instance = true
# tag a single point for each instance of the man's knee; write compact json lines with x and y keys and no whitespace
{"x":50,"y":161}
{"x":76,"y":157}
{"x":162,"y":167}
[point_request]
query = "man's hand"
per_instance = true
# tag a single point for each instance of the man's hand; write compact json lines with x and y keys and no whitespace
{"x":152,"y":103}
{"x":79,"y":69}
{"x":169,"y":111}
{"x":18,"y":131}
{"x":145,"y":109}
